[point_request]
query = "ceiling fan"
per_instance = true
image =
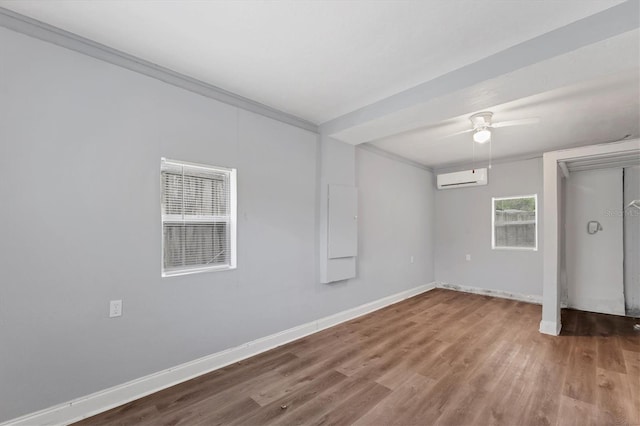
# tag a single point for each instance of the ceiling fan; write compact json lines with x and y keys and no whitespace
{"x":482,"y":125}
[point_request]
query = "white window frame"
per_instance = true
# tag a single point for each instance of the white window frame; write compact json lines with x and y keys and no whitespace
{"x":493,"y":222}
{"x":231,"y":220}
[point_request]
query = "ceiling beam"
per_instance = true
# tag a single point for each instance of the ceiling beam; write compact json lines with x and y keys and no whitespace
{"x":592,"y":29}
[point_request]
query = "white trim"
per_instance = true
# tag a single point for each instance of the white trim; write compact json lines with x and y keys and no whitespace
{"x":564,"y":168}
{"x":230,"y":220}
{"x":550,"y":327}
{"x":48,"y":33}
{"x":552,"y":197}
{"x":86,"y":406}
{"x":494,"y":293}
{"x":189,"y":271}
{"x":233,"y":213}
{"x":493,"y":220}
{"x":180,"y":163}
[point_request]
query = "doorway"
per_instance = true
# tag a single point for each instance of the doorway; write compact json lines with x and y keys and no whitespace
{"x":594,"y":231}
{"x":558,"y":166}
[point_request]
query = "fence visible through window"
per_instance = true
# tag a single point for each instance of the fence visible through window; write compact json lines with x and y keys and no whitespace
{"x":514,"y":222}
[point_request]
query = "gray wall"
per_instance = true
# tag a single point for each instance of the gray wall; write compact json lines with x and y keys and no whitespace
{"x":632,"y":241}
{"x":80,"y":148}
{"x":463,"y":226}
{"x":394,"y":199}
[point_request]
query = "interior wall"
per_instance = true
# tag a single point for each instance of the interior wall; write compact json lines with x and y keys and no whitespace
{"x":463,"y":226}
{"x":79,"y":175}
{"x":632,"y":242}
{"x":396,"y":221}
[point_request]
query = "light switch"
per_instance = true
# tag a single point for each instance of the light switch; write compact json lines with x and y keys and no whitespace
{"x":468,"y":257}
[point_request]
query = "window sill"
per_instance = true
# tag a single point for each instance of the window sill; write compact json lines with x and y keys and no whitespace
{"x":516,"y":248}
{"x":175,"y":273}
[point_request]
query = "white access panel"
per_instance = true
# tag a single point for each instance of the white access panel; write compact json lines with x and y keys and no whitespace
{"x":343,"y":221}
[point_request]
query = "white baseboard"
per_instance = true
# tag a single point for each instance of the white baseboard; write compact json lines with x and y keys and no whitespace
{"x":550,"y":327}
{"x":495,"y":293}
{"x":104,"y":400}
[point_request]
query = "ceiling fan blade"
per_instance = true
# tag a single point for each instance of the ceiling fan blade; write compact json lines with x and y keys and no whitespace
{"x":457,"y":133}
{"x":521,"y":122}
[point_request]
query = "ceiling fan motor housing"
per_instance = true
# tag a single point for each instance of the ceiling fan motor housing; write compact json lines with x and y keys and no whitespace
{"x":481,"y":120}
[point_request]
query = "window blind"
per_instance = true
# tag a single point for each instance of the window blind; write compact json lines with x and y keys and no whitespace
{"x":196,"y":217}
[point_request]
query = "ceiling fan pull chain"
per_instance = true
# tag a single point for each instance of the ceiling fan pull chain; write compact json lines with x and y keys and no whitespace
{"x":473,"y":159}
{"x":490,"y":153}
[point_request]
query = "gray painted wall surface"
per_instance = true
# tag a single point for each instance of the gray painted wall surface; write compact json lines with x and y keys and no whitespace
{"x":80,"y":148}
{"x":632,"y":242}
{"x":393,"y":201}
{"x":463,"y":226}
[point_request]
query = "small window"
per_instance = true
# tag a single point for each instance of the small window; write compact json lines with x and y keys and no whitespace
{"x":198,"y":218}
{"x":515,"y":223}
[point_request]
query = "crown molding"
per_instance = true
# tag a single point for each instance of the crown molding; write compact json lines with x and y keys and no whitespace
{"x":45,"y":32}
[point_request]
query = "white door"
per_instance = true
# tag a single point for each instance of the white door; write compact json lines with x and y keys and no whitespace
{"x":594,"y":241}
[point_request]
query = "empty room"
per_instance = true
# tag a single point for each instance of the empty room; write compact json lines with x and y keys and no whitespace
{"x":359,"y":212}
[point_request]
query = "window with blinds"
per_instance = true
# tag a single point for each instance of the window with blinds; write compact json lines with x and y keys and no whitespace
{"x":515,"y":222}
{"x":198,"y":218}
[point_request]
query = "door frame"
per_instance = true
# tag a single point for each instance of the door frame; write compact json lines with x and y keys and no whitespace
{"x":557,"y":166}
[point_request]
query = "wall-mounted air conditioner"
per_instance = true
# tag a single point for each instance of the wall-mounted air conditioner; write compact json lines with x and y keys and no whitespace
{"x":473,"y":177}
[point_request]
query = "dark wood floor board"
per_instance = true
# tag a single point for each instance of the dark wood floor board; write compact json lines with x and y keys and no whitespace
{"x":580,"y":378}
{"x":542,"y":402}
{"x":401,"y":404}
{"x":462,"y":406}
{"x":610,"y":354}
{"x":470,"y":348}
{"x":632,"y":361}
{"x":573,"y":412}
{"x":369,"y":335}
{"x":441,"y":358}
{"x":281,"y":408}
{"x":325,"y":402}
{"x":355,"y":406}
{"x":411,"y":362}
{"x":203,"y":416}
{"x":505,"y":405}
{"x":335,"y":357}
{"x":228,"y":400}
{"x":385,"y":361}
{"x":629,"y":342}
{"x":488,"y":374}
{"x":386,"y":348}
{"x":615,"y":399}
{"x":447,"y":313}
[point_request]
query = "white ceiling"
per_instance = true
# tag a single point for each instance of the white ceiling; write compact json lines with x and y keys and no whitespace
{"x":315,"y":59}
{"x":601,"y":110}
{"x":397,"y":75}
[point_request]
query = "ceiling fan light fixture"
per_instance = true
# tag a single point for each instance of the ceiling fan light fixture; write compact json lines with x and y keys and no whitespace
{"x":482,"y":135}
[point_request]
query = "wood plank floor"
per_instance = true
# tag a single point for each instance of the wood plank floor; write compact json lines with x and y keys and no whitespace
{"x":441,"y":358}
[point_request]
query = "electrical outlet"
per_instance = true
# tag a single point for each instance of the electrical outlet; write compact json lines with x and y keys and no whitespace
{"x":115,"y":308}
{"x":411,"y":259}
{"x":468,"y":257}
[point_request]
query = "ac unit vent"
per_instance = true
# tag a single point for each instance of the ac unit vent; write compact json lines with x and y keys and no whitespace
{"x":463,"y":179}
